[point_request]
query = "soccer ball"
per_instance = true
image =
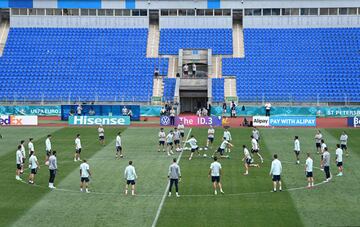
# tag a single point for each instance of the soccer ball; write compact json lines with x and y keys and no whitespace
{"x":47,"y":163}
{"x":200,"y":149}
{"x":205,"y":148}
{"x":204,"y":155}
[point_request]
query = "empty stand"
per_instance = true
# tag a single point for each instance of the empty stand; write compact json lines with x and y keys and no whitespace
{"x":299,"y":65}
{"x":55,"y":64}
{"x":169,"y":89}
{"x":218,"y":90}
{"x":219,"y":40}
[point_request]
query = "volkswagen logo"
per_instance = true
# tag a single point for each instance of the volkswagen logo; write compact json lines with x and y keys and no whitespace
{"x":165,"y":120}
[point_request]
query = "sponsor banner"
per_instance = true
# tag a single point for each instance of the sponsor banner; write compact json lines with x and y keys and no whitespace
{"x":99,"y":120}
{"x":326,"y":111}
{"x":31,"y":110}
{"x":261,"y":121}
{"x":150,"y":111}
{"x":354,"y":122}
{"x":192,"y":121}
{"x":102,"y":110}
{"x":18,"y":120}
{"x":292,"y":121}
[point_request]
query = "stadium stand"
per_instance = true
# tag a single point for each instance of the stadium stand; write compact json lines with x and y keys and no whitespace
{"x":169,"y":88}
{"x":55,"y":64}
{"x":218,"y":90}
{"x":219,"y":40}
{"x":300,"y":65}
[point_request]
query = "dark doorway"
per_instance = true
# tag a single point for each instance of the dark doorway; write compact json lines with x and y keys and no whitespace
{"x":237,"y":16}
{"x":154,"y":17}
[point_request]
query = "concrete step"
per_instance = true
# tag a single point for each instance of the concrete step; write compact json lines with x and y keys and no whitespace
{"x":217,"y":67}
{"x":230,"y":87}
{"x":238,"y":41}
{"x":152,"y":49}
{"x":4,"y":32}
{"x":172,"y":69}
{"x":158,"y":87}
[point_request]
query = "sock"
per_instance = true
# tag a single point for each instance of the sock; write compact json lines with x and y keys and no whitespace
{"x":81,"y":189}
{"x":215,"y":192}
{"x":274,"y":189}
{"x":309,"y":184}
{"x":87,"y":190}
{"x":169,"y":193}
{"x":312,"y":184}
{"x":132,"y":192}
{"x":280,"y":188}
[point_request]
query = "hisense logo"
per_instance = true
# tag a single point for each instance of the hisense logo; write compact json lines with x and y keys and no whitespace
{"x":99,"y":120}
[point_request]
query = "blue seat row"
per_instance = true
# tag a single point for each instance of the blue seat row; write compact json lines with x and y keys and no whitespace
{"x":304,"y":65}
{"x":77,"y":64}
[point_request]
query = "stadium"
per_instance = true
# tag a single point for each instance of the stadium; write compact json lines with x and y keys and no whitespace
{"x":257,"y":102}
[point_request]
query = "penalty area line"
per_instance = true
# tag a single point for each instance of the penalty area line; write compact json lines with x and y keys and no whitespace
{"x":167,"y":186}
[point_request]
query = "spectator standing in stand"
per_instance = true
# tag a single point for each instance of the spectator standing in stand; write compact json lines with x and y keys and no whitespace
{"x":267,"y":109}
{"x":186,"y":70}
{"x":172,"y":116}
{"x":193,"y":69}
{"x":224,"y":107}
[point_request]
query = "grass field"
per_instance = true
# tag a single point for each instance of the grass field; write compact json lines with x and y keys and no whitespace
{"x":247,"y":200}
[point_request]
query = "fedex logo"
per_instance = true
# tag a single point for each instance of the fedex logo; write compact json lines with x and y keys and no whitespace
{"x":18,"y":120}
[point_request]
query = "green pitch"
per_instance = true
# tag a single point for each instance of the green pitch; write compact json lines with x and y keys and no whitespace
{"x":247,"y":200}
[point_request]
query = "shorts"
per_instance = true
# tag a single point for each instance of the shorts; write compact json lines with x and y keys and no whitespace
{"x":84,"y":179}
{"x":176,"y":142}
{"x":215,"y":179}
{"x":78,"y":151}
{"x":33,"y":171}
{"x":101,"y":137}
{"x":254,"y":150}
{"x":170,"y":143}
{"x":18,"y":166}
{"x":211,"y":139}
{"x":318,"y":145}
{"x":118,"y":148}
{"x":338,"y":164}
{"x":309,"y":174}
{"x":221,"y":151}
{"x":132,"y":182}
{"x":182,"y":134}
{"x":343,"y":146}
{"x":194,"y":149}
{"x":248,"y":161}
{"x":162,"y":143}
{"x":297,"y":152}
{"x":48,"y":153}
{"x":276,"y":178}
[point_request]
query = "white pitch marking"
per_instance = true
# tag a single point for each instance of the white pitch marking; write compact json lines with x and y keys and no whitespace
{"x":167,"y":187}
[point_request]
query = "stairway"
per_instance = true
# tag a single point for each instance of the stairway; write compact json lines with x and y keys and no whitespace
{"x":4,"y":31}
{"x":158,"y":91}
{"x":217,"y":66}
{"x":230,"y":88}
{"x":238,"y":41}
{"x":172,"y":69}
{"x":152,"y":49}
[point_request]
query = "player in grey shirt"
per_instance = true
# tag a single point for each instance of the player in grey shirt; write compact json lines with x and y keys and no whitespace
{"x":52,"y":169}
{"x":175,"y":176}
{"x":325,"y":163}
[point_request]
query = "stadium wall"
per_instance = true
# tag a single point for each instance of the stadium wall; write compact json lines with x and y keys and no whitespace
{"x":301,"y":21}
{"x":195,"y":22}
{"x":173,"y":4}
{"x":79,"y":22}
